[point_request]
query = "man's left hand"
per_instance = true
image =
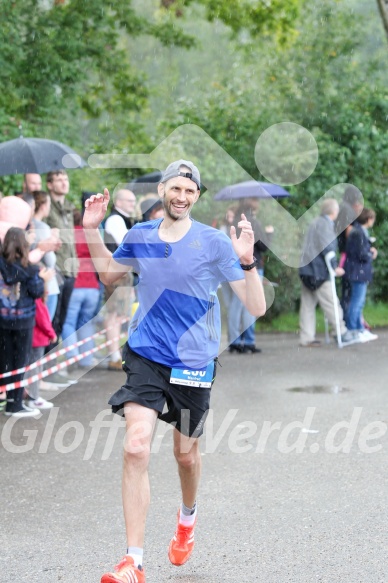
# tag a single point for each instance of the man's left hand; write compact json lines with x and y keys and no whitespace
{"x":243,"y":245}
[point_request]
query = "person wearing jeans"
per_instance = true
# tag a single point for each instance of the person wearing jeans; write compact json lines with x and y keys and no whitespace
{"x":241,"y":325}
{"x":356,"y":305}
{"x":80,"y":313}
{"x":358,"y":270}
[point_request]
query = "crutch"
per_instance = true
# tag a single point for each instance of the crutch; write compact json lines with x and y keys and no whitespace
{"x":327,"y":335}
{"x":328,"y":257}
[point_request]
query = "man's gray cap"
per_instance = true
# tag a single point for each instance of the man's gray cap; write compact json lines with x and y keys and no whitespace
{"x":174,"y":170}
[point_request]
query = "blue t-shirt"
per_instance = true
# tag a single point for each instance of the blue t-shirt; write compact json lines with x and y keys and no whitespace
{"x":178,"y":321}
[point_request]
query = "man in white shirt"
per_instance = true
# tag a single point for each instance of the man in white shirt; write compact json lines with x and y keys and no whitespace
{"x":121,"y":218}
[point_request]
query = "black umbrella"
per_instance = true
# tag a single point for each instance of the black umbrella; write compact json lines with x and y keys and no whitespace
{"x":251,"y":189}
{"x":146,"y":183}
{"x":37,"y":156}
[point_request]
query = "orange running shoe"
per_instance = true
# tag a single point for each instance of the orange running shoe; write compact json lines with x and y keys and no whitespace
{"x":125,"y":572}
{"x":182,"y":544}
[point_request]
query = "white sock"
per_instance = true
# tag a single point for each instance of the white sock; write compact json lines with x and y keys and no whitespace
{"x":187,"y":516}
{"x":137,"y":555}
{"x":116,"y":355}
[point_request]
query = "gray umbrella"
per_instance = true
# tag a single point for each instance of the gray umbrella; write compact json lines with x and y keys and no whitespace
{"x":37,"y":156}
{"x":251,"y":189}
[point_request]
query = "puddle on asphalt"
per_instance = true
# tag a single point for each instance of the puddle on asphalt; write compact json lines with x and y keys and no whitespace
{"x":328,"y":389}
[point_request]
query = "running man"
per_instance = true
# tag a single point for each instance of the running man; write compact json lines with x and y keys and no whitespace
{"x":171,"y":353}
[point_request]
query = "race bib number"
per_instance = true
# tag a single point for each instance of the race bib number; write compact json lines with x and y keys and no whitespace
{"x":193,"y":378}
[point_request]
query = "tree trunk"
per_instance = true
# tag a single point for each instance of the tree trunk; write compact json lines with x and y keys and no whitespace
{"x":383,"y":7}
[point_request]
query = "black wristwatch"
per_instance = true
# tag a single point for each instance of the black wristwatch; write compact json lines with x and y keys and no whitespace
{"x":249,"y":267}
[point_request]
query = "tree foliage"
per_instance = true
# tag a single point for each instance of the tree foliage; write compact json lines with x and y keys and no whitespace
{"x":256,"y":18}
{"x":66,"y":72}
{"x":321,"y":83}
{"x":75,"y":70}
{"x":54,"y":54}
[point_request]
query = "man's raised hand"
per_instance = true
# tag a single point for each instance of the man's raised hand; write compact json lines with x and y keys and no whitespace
{"x":95,"y":209}
{"x":243,"y":245}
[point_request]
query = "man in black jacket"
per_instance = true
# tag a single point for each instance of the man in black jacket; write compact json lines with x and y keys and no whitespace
{"x":314,"y":273}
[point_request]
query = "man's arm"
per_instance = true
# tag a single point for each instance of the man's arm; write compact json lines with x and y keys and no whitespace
{"x":107,"y":268}
{"x":250,"y":289}
{"x":326,"y":236}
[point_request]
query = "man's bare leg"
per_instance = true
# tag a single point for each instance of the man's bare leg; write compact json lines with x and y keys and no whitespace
{"x":188,"y":457}
{"x":135,"y":487}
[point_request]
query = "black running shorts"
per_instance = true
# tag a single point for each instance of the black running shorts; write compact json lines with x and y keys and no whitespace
{"x":148,"y":384}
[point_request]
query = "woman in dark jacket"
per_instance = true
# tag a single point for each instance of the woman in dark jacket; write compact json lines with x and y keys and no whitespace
{"x":358,"y":270}
{"x":20,"y":284}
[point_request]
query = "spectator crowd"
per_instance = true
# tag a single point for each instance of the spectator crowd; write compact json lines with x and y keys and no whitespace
{"x":49,"y":288}
{"x":50,"y":291}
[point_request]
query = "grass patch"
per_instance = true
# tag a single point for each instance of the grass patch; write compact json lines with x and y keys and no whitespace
{"x":375,"y":314}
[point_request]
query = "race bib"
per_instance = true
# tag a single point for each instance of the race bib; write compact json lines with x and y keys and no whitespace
{"x":193,"y":378}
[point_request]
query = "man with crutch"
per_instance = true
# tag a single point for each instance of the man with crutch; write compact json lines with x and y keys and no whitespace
{"x":317,"y":281}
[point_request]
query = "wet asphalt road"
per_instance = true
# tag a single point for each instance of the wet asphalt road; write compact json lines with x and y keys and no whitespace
{"x":267,"y":513}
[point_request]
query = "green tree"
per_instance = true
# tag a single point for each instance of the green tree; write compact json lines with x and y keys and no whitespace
{"x":323,"y":83}
{"x":64,"y":67}
{"x":275,"y":19}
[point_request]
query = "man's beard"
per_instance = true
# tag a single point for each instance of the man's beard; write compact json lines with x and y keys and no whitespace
{"x":171,"y":215}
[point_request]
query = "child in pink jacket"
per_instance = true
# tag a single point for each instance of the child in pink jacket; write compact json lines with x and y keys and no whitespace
{"x":42,"y":336}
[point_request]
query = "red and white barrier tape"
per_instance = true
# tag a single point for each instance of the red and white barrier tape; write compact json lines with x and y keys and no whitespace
{"x":57,"y":367}
{"x":54,"y":355}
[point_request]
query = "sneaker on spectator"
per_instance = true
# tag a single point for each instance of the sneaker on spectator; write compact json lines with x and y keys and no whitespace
{"x":39,"y":403}
{"x":71,"y":368}
{"x":251,"y":348}
{"x":312,"y":344}
{"x":25,"y":411}
{"x":59,"y":380}
{"x":115,"y":365}
{"x":367,"y":336}
{"x":73,"y":373}
{"x":125,"y":572}
{"x":350,"y":337}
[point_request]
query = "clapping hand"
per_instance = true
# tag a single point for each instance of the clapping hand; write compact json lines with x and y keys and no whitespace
{"x":46,"y":274}
{"x":52,"y":243}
